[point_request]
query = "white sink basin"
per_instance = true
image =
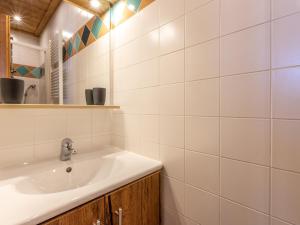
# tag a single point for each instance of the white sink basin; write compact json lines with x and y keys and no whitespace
{"x":41,"y":191}
{"x":69,"y":175}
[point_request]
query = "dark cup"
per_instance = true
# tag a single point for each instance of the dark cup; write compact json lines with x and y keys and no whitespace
{"x":89,"y":97}
{"x":12,"y":90}
{"x":99,"y":95}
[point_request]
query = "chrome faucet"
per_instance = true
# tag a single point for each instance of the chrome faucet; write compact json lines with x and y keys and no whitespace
{"x":67,"y":149}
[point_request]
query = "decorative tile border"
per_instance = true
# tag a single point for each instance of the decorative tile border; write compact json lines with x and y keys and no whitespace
{"x":96,"y":27}
{"x":28,"y":71}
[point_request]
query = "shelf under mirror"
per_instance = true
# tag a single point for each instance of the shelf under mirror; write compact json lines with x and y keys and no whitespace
{"x":45,"y":106}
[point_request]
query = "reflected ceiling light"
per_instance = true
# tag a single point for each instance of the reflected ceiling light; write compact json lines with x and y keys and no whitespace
{"x":106,"y":19}
{"x":95,"y":3}
{"x":118,"y":12}
{"x":17,"y":18}
{"x":131,"y":7}
{"x":85,"y":13}
{"x":168,"y":33}
{"x":66,"y":34}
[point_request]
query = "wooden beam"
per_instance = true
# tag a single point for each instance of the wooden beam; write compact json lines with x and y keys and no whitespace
{"x":51,"y":10}
{"x":4,"y":46}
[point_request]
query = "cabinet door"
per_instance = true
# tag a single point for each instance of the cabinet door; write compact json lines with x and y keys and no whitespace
{"x":87,"y":214}
{"x":139,"y":203}
{"x":150,"y":200}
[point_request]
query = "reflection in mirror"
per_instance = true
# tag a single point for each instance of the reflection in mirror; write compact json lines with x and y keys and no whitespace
{"x":60,"y":52}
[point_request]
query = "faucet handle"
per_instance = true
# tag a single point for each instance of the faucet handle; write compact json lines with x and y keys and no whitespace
{"x":67,"y":149}
{"x":67,"y":143}
{"x":74,"y":151}
{"x":71,"y":148}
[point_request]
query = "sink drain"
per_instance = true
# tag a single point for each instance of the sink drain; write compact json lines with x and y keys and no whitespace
{"x":69,"y":169}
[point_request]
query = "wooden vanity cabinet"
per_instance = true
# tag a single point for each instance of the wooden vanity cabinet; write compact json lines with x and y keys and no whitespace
{"x":134,"y":204}
{"x":87,"y":214}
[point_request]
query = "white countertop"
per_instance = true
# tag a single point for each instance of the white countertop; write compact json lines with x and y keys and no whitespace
{"x":35,"y":193}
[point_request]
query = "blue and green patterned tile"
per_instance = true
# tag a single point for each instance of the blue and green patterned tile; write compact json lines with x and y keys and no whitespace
{"x":80,"y":31}
{"x":91,"y":39}
{"x":77,"y":41}
{"x":81,"y":46}
{"x":22,"y":70}
{"x":133,"y":5}
{"x":96,"y":27}
{"x":90,"y":23}
{"x":85,"y":35}
{"x":37,"y":72}
{"x":70,"y":49}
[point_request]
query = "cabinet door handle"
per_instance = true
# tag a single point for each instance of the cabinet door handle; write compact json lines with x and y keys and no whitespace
{"x":98,"y":222}
{"x":120,"y":214}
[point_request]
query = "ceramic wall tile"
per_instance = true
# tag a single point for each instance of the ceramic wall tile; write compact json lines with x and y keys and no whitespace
{"x":237,"y":15}
{"x":285,"y":45}
{"x":202,"y":24}
{"x":285,"y":196}
{"x":251,"y":45}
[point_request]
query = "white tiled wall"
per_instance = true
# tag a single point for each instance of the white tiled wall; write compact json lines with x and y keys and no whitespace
{"x":33,"y":135}
{"x":25,"y":55}
{"x":211,"y":87}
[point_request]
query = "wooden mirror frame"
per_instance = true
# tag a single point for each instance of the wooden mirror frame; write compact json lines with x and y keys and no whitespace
{"x":4,"y":46}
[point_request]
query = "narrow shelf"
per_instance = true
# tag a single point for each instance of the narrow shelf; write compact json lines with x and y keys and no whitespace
{"x":45,"y":106}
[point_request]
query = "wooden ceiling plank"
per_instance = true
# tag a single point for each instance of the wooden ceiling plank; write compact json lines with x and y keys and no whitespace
{"x":19,"y":5}
{"x":51,"y":10}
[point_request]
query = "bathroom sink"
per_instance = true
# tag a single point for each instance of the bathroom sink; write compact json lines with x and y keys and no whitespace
{"x":68,"y":175}
{"x":46,"y":189}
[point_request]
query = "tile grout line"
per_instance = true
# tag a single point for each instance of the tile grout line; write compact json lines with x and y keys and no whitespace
{"x":224,"y":157}
{"x":184,"y":111}
{"x":220,"y":184}
{"x":270,"y":114}
{"x":201,"y":79}
{"x":222,"y":197}
{"x":159,"y":81}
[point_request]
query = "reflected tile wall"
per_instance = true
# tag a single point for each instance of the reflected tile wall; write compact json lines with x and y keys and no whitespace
{"x":98,"y":26}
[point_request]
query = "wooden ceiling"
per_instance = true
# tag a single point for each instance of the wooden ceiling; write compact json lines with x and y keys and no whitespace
{"x":35,"y":14}
{"x":85,"y":4}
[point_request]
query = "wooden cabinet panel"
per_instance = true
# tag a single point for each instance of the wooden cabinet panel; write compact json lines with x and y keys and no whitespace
{"x":150,"y":200}
{"x":139,"y":202}
{"x":129,"y":199}
{"x":88,"y":214}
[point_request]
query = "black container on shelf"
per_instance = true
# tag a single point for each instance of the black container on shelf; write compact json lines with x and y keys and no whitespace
{"x":89,"y":97}
{"x":99,"y":95}
{"x":11,"y":90}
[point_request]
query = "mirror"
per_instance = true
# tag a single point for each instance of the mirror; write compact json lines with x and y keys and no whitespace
{"x":59,"y":51}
